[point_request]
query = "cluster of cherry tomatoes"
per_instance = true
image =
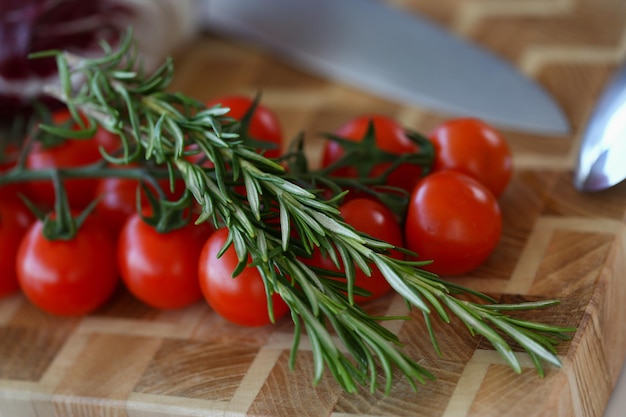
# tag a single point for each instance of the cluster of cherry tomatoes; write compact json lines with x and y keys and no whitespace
{"x":453,"y":218}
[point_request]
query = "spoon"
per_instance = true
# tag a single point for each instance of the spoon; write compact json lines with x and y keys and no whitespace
{"x":602,"y":154}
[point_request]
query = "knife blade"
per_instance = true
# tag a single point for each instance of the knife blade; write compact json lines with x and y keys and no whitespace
{"x":402,"y":57}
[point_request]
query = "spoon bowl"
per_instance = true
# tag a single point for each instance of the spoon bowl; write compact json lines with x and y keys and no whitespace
{"x":602,"y":154}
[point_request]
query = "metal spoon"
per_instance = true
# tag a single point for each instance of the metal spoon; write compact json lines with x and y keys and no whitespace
{"x":602,"y":155}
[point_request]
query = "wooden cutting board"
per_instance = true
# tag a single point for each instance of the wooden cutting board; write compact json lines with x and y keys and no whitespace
{"x":130,"y":360}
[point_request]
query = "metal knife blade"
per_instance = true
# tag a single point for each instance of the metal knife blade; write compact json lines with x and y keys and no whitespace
{"x":405,"y":58}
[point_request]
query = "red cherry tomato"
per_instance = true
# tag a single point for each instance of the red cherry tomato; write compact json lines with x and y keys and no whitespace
{"x":474,"y":148}
{"x":264,"y":125}
{"x":118,"y":201}
{"x":239,"y":299}
{"x":118,"y":198}
{"x":390,"y":137}
{"x":378,"y":221}
{"x":68,"y":277}
{"x":15,"y":219}
{"x":452,"y":220}
{"x":71,"y":153}
{"x":110,"y":142}
{"x":161,"y":269}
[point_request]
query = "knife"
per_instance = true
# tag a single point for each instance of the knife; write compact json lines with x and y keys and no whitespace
{"x":390,"y":53}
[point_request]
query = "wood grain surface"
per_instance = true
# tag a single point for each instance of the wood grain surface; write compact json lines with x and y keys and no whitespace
{"x":130,"y":360}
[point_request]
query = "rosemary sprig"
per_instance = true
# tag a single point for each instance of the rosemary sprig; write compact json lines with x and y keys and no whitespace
{"x":159,"y":126}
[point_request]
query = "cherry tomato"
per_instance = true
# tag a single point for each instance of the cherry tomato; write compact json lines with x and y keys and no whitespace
{"x":239,"y":299}
{"x":373,"y":218}
{"x":15,"y":219}
{"x":70,"y":153}
{"x":118,"y":201}
{"x":68,"y":277}
{"x":474,"y":148}
{"x":453,"y":220}
{"x":107,"y":140}
{"x":264,"y":125}
{"x":161,"y":269}
{"x":390,"y":137}
{"x":118,"y":198}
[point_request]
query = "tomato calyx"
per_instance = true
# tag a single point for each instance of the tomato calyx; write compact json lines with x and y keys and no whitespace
{"x":357,"y":170}
{"x":162,"y":214}
{"x":61,"y":224}
{"x":366,"y":168}
{"x":364,"y":155}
